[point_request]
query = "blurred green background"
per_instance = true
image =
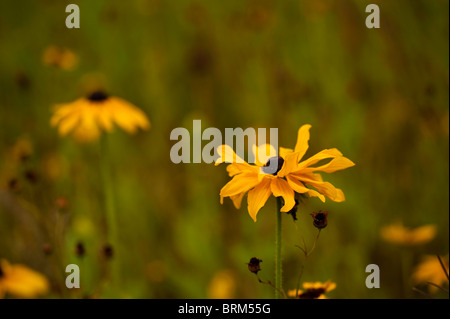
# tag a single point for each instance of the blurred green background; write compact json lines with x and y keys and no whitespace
{"x":379,"y":95}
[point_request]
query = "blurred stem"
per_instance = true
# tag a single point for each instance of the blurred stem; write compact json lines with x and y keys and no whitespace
{"x":109,"y":196}
{"x":406,"y":267}
{"x":278,"y":264}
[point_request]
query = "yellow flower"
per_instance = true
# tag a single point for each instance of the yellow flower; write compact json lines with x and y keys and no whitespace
{"x":430,"y":270}
{"x":59,"y":57}
{"x":85,"y":118}
{"x":222,"y":285}
{"x":291,"y":174}
{"x":313,"y":290}
{"x":398,"y":234}
{"x":20,"y":281}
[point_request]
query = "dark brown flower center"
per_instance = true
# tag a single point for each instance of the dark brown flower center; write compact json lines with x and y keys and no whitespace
{"x":312,"y":293}
{"x":273,"y":165}
{"x":1,"y":272}
{"x":97,"y":96}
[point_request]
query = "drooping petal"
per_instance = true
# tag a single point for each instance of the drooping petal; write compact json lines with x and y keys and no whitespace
{"x":263,"y":153}
{"x":237,"y":200}
{"x":258,"y":196}
{"x":281,"y":188}
{"x":302,"y":140}
{"x":299,"y":187}
{"x":337,"y":164}
{"x":240,"y":183}
{"x":327,"y":153}
{"x":227,"y":155}
{"x":325,"y":188}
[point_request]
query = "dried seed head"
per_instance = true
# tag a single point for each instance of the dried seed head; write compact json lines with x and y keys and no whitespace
{"x":47,"y":249}
{"x":31,"y":176}
{"x":61,"y":202}
{"x":79,"y":249}
{"x":108,"y":251}
{"x":13,"y":184}
{"x":320,"y":219}
{"x":253,"y":265}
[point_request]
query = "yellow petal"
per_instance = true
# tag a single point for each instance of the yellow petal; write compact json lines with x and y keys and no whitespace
{"x":337,"y":164}
{"x":285,"y":151}
{"x":22,"y":281}
{"x":227,"y":155}
{"x":281,"y":188}
{"x":237,"y":200}
{"x":263,"y":153}
{"x":290,"y":164}
{"x":302,"y":140}
{"x":258,"y":196}
{"x":298,"y":186}
{"x":105,"y":118}
{"x":240,"y":183}
{"x":328,"y":153}
{"x":325,"y":188}
{"x":237,"y":168}
{"x":68,"y":123}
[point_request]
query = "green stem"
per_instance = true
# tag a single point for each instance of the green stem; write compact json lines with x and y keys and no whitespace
{"x":278,"y":264}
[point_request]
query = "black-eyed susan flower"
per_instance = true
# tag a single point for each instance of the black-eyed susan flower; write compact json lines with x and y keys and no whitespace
{"x":313,"y":290}
{"x":282,"y":174}
{"x":430,"y":271}
{"x":86,"y":118}
{"x":398,"y":234}
{"x":59,"y":57}
{"x":21,"y":281}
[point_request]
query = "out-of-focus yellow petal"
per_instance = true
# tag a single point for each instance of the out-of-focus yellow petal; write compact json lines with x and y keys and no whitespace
{"x":281,"y":188}
{"x":21,"y":281}
{"x":68,"y":123}
{"x":258,"y":196}
{"x":398,"y":234}
{"x":430,"y":270}
{"x":302,"y":140}
{"x":424,"y":234}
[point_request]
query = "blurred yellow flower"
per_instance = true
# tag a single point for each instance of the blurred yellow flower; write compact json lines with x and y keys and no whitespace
{"x":291,"y":174}
{"x":85,"y":118}
{"x":430,"y":270}
{"x":222,"y":285}
{"x":59,"y":57}
{"x":20,"y":281}
{"x":398,"y":234}
{"x":313,"y":290}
